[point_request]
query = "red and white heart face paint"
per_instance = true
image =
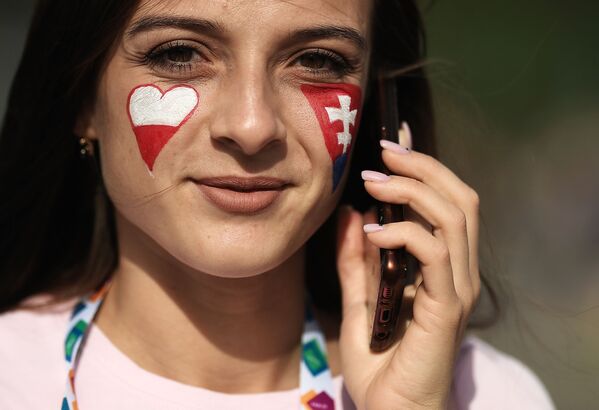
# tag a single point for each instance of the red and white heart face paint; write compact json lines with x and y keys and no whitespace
{"x":337,"y":108}
{"x":156,"y":116}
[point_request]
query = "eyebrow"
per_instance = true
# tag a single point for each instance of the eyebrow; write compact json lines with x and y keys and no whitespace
{"x":198,"y":25}
{"x":320,"y":32}
{"x":217,"y":30}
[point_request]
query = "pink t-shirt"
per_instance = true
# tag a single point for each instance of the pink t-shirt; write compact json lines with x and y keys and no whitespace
{"x":32,"y":375}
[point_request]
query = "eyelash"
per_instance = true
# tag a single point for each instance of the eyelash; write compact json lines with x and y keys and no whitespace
{"x":157,"y":58}
{"x":342,"y":66}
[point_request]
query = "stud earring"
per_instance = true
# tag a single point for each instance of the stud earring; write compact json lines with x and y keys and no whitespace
{"x":86,"y":149}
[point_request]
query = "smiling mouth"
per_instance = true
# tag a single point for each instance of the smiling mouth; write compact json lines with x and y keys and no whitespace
{"x":242,"y":195}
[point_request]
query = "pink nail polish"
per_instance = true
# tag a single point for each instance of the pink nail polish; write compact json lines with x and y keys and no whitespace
{"x":405,"y":135}
{"x":394,"y":147}
{"x":371,"y":228}
{"x":375,"y":176}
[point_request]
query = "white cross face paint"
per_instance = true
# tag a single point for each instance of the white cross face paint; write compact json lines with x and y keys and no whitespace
{"x":156,"y":116}
{"x":346,"y":117}
{"x":337,"y":108}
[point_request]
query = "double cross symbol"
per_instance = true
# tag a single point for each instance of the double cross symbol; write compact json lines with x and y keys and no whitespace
{"x":344,"y":115}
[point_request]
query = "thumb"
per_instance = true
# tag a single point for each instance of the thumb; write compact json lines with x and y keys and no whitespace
{"x":350,"y":258}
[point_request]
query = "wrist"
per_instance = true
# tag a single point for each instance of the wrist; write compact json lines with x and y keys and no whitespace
{"x":412,"y":404}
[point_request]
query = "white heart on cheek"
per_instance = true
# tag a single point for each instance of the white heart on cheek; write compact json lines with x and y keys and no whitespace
{"x":157,"y":116}
{"x":149,"y":106}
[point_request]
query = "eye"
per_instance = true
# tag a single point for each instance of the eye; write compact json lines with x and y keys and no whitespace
{"x":175,"y":57}
{"x":324,"y":62}
{"x":314,"y":61}
{"x":179,"y":55}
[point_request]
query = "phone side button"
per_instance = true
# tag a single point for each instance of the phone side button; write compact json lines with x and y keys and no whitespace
{"x":385,"y":315}
{"x":387,"y":292}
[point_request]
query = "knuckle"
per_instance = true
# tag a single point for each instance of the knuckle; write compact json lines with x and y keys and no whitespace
{"x":441,"y":253}
{"x":458,"y":308}
{"x":455,"y":313}
{"x":471,"y":299}
{"x":469,"y":302}
{"x":396,"y":190}
{"x":411,"y":229}
{"x":473,"y":198}
{"x":408,"y":186}
{"x":458,"y":219}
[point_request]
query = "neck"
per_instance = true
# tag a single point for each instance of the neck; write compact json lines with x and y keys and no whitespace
{"x":230,"y":335}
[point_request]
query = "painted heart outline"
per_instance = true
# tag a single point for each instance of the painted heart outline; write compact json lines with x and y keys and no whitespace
{"x":156,"y":116}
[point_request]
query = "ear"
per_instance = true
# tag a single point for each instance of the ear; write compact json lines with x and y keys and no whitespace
{"x":84,"y":125}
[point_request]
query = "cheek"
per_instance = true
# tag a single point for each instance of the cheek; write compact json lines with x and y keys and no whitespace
{"x":157,"y":115}
{"x":337,"y":111}
{"x":133,"y":124}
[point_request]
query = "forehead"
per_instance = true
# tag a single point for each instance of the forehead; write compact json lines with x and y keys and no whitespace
{"x":265,"y":16}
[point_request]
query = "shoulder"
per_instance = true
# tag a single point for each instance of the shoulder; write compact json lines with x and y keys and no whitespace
{"x":487,"y":378}
{"x":31,"y":354}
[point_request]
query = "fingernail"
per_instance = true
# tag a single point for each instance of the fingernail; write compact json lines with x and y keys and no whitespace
{"x":370,"y":228}
{"x":375,"y":176}
{"x":394,"y":147}
{"x":405,"y":135}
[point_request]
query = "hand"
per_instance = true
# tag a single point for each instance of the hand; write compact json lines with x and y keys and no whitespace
{"x":416,"y":372}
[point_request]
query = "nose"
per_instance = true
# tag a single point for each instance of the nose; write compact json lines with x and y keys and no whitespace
{"x":246,"y":118}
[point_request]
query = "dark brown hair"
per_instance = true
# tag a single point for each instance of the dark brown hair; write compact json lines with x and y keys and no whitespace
{"x":57,"y":231}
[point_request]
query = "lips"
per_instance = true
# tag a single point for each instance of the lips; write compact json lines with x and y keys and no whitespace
{"x":240,"y":194}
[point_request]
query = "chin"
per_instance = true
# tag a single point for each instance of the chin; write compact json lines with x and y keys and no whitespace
{"x":239,"y":260}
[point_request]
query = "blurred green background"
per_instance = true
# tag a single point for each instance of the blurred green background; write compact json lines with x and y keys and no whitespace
{"x":516,"y":87}
{"x":517,"y":96}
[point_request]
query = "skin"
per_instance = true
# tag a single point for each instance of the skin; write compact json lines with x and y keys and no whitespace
{"x":214,"y":300}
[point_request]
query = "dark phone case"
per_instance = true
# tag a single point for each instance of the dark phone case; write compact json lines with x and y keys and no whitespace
{"x":395,"y":263}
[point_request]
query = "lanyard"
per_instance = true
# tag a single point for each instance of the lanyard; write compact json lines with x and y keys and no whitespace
{"x":316,"y":382}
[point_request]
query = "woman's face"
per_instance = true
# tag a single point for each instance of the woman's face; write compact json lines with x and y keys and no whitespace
{"x":225,"y":126}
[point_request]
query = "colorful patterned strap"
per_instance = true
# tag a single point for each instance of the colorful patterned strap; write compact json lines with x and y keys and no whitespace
{"x":316,"y":382}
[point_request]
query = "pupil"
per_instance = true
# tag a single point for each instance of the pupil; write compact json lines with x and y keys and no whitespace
{"x":313,"y":61}
{"x":180,"y":55}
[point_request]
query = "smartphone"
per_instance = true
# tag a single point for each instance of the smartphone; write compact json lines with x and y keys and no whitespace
{"x":397,"y":265}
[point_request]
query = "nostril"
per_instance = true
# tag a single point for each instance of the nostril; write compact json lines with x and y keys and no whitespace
{"x":248,"y":146}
